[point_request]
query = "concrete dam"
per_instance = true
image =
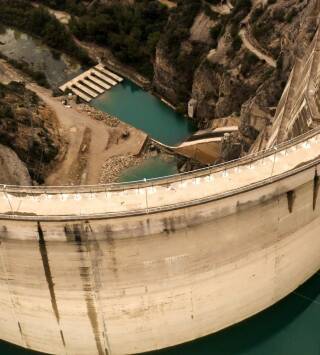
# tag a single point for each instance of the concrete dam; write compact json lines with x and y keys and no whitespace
{"x":129,"y":268}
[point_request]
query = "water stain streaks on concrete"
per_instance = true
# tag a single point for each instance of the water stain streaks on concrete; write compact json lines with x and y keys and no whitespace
{"x":291,"y":197}
{"x":316,"y":185}
{"x":47,"y":271}
{"x":79,"y":233}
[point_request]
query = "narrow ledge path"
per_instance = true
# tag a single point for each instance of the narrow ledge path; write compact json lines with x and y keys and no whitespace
{"x":245,"y":37}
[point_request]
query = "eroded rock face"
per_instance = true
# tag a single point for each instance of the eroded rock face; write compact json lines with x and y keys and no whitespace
{"x":29,"y":128}
{"x":12,"y":170}
{"x":178,"y":55}
{"x":200,"y":30}
{"x":167,"y":82}
{"x":206,"y":91}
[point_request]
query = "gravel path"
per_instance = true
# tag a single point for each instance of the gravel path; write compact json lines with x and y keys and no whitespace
{"x":252,"y":48}
{"x":84,"y":160}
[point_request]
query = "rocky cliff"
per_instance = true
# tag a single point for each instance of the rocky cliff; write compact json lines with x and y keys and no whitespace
{"x":29,"y":128}
{"x":12,"y":170}
{"x":233,"y":57}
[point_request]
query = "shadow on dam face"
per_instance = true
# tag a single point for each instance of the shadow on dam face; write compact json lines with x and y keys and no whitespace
{"x":287,"y":320}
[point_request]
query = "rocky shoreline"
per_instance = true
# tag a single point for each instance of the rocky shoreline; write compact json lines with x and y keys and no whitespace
{"x":109,"y":120}
{"x":115,"y":166}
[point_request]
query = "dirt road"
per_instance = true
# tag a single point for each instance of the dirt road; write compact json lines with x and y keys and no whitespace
{"x":73,"y":125}
{"x":256,"y":51}
{"x":84,"y":158}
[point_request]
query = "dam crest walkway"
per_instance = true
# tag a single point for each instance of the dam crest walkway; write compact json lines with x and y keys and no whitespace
{"x":101,"y":201}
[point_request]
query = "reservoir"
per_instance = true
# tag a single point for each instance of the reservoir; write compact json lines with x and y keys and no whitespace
{"x":146,"y":112}
{"x":291,"y":327}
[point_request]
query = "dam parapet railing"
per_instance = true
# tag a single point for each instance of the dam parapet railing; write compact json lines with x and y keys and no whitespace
{"x":301,"y":154}
{"x":281,"y":149}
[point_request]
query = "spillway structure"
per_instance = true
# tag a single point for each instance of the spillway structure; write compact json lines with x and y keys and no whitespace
{"x":129,"y":268}
{"x":92,"y":83}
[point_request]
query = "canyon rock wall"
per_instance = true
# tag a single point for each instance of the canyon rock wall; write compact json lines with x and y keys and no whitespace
{"x":12,"y":170}
{"x":221,"y":64}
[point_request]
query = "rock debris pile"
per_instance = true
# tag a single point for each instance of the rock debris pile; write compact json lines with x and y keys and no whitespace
{"x":114,"y":166}
{"x":109,"y":120}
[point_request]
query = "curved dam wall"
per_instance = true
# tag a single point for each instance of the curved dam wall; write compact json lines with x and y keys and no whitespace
{"x":125,"y":269}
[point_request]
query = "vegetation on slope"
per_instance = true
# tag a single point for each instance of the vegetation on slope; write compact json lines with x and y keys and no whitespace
{"x":185,"y":55}
{"x":130,"y":31}
{"x":40,"y":23}
{"x":29,"y":128}
{"x":74,"y":7}
{"x":238,"y":74}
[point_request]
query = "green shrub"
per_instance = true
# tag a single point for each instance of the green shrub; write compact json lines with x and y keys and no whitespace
{"x":131,"y":32}
{"x":40,"y":23}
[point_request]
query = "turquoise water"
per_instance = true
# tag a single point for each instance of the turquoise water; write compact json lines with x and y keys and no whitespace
{"x":149,"y":169}
{"x":291,"y":327}
{"x":146,"y":112}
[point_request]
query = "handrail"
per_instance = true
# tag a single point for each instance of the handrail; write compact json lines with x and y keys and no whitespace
{"x":250,"y":158}
{"x":164,"y":208}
